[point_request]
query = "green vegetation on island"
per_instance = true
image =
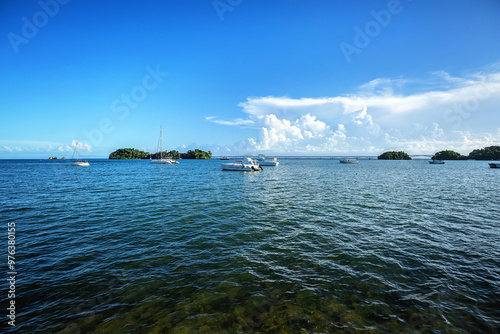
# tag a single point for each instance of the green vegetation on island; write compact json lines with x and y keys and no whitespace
{"x":196,"y":154}
{"x":394,"y":155}
{"x":129,"y":153}
{"x":448,"y":155}
{"x":487,"y":153}
{"x":132,"y":153}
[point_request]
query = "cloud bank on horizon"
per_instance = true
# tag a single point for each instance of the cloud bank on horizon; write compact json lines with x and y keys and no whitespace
{"x":419,"y":116}
{"x":31,"y":146}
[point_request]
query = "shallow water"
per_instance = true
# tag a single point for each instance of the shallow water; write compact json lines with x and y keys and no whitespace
{"x":311,"y":245}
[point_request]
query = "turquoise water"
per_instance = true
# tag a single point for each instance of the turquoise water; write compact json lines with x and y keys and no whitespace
{"x":308,"y":246}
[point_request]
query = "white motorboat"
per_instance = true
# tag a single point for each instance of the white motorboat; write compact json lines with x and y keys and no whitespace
{"x":161,"y":160}
{"x":164,"y":161}
{"x":247,"y":165}
{"x":436,"y":162}
{"x":263,"y":161}
{"x":79,"y":163}
{"x":348,"y":161}
{"x":494,"y":165}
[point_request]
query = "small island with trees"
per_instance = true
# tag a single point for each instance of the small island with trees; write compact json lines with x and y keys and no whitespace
{"x":132,"y":153}
{"x":394,"y":155}
{"x":487,"y":153}
{"x":448,"y":155}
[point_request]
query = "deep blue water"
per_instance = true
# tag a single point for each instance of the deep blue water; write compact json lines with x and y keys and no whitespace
{"x":308,"y":246}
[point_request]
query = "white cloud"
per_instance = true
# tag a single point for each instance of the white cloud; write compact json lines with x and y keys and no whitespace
{"x":81,"y":146}
{"x":31,"y":146}
{"x":304,"y":134}
{"x":238,"y":121}
{"x":417,"y":115}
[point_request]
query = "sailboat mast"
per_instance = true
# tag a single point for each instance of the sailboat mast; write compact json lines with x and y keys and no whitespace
{"x":158,"y":146}
{"x":76,"y":148}
{"x":161,"y":141}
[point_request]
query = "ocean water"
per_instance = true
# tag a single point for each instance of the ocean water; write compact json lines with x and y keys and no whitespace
{"x":310,"y":246}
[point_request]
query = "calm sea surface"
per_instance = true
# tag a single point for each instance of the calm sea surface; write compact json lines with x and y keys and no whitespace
{"x":308,"y":246}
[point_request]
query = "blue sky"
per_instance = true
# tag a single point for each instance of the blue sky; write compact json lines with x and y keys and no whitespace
{"x":275,"y":77}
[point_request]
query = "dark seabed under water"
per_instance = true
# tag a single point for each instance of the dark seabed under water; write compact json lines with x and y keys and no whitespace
{"x":310,"y":246}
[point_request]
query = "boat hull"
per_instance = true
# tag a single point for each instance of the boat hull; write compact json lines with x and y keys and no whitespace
{"x":80,"y":163}
{"x":494,"y":165}
{"x":436,"y":162}
{"x":268,"y":163}
{"x":263,"y":161}
{"x":239,"y":168}
{"x":348,"y":161}
{"x":164,"y":162}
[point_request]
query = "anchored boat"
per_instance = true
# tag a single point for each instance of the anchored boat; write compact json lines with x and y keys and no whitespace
{"x":247,"y":165}
{"x":224,"y":157}
{"x":162,"y":160}
{"x":436,"y":162}
{"x":263,"y":161}
{"x":348,"y":161}
{"x":77,"y":162}
{"x":494,"y":165}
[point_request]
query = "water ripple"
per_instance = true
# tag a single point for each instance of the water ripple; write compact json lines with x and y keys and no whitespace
{"x":312,"y":245}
